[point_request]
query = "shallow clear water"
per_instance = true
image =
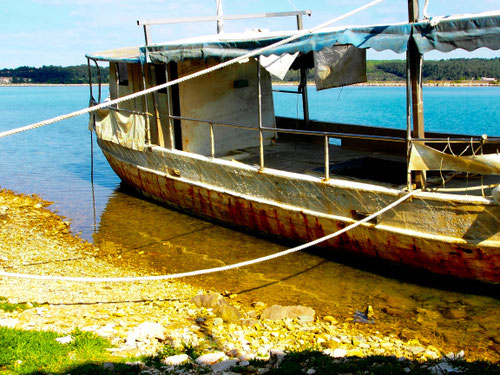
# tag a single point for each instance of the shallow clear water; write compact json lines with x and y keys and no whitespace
{"x":54,"y":162}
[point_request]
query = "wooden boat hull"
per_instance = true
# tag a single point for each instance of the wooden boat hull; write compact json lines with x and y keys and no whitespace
{"x":439,"y":233}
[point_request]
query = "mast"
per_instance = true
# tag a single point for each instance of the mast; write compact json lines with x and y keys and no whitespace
{"x":415,"y":61}
{"x":220,"y":23}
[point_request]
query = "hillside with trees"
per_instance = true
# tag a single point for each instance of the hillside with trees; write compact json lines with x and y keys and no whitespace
{"x":54,"y":74}
{"x":377,"y":71}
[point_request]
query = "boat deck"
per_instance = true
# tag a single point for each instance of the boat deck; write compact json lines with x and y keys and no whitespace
{"x":381,"y":168}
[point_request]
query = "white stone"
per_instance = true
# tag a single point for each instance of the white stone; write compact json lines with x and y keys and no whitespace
{"x":339,"y":353}
{"x":64,"y":340}
{"x":443,"y":368}
{"x":145,"y":332}
{"x":9,"y":322}
{"x":224,"y":365}
{"x":415,"y":349}
{"x":108,"y":366}
{"x":210,"y":358}
{"x":456,"y":356}
{"x":176,"y":360}
{"x":276,"y":356}
{"x":311,"y":371}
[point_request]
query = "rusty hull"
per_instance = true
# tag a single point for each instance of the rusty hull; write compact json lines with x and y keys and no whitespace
{"x":449,"y":235}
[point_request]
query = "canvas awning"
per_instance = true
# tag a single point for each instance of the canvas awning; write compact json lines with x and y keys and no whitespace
{"x":425,"y":158}
{"x":445,"y":34}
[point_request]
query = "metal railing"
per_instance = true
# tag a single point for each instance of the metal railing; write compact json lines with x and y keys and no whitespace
{"x":260,"y":129}
{"x":146,"y":23}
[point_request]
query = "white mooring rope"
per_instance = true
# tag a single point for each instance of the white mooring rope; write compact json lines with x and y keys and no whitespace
{"x":185,"y":78}
{"x":216,"y":269}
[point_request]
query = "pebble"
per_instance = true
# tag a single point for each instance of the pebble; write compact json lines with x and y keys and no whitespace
{"x":108,"y":366}
{"x":210,"y":358}
{"x":339,"y":353}
{"x":176,"y":360}
{"x":224,"y":366}
{"x":65,"y":340}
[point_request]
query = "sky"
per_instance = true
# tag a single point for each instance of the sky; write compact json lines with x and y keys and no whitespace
{"x":61,"y":32}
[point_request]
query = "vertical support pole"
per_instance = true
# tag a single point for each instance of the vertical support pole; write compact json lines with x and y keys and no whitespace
{"x":147,"y":34}
{"x":327,"y":157}
{"x":99,"y":81}
{"x":144,"y":87}
{"x":150,"y":79}
{"x":169,"y":106}
{"x":90,"y":81}
{"x":415,"y":63}
{"x":303,"y":81}
{"x":261,"y":132}
{"x":220,"y":23}
{"x":408,"y":123}
{"x":212,"y":141}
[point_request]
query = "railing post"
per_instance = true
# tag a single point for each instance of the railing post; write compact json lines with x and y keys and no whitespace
{"x":327,"y":157}
{"x":261,"y":132}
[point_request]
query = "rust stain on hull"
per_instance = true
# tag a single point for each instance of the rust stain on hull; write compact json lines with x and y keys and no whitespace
{"x":438,"y":257}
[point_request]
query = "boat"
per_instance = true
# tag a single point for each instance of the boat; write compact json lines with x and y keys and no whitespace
{"x":209,"y":143}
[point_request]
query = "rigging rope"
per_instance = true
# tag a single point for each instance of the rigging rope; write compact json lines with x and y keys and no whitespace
{"x":216,"y":269}
{"x":424,"y":12}
{"x":187,"y":77}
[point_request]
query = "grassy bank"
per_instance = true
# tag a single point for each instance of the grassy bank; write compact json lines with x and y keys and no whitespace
{"x":35,"y":352}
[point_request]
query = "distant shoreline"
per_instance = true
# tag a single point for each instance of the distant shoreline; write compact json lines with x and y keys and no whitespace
{"x":375,"y":83}
{"x":402,"y":84}
{"x":47,"y":84}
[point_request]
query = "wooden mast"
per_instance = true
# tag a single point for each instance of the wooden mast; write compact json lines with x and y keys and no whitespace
{"x":415,"y":61}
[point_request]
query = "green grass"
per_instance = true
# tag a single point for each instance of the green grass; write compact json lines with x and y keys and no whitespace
{"x":37,"y":353}
{"x":29,"y":352}
{"x":9,"y":307}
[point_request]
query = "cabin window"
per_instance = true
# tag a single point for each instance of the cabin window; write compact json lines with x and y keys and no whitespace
{"x":122,"y":74}
{"x":161,"y":76}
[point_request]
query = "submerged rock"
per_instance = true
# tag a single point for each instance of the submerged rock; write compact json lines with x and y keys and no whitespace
{"x":277,"y":312}
{"x":208,"y":301}
{"x":228,"y":313}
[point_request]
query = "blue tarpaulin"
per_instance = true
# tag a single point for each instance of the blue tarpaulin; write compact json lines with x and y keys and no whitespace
{"x":444,"y":34}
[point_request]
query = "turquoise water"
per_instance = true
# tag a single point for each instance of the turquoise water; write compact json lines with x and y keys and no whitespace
{"x":462,"y":110}
{"x":54,"y":162}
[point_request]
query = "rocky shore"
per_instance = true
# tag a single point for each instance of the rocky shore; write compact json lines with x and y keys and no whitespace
{"x":140,"y":318}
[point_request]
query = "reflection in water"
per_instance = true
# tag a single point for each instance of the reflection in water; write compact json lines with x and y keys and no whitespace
{"x":156,"y":239}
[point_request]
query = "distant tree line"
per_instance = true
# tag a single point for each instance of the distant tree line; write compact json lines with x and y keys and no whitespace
{"x":54,"y":74}
{"x":377,"y":70}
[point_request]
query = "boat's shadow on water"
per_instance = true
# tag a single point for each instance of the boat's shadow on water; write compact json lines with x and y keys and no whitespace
{"x":378,"y":267}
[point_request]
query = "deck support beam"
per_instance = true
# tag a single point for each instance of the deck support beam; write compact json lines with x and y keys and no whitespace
{"x":415,"y":61}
